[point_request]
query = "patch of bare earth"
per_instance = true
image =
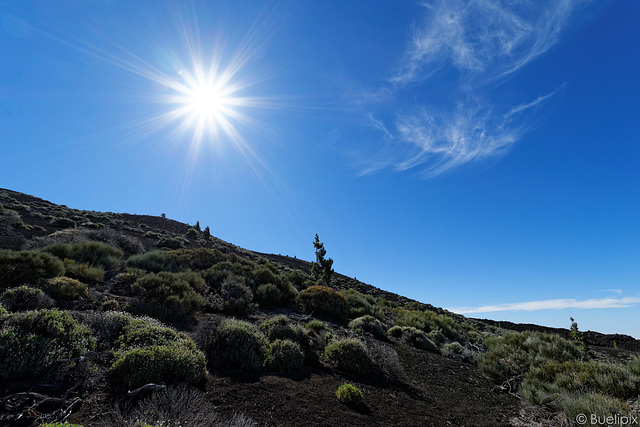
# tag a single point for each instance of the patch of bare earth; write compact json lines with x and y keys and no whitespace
{"x":439,"y":392}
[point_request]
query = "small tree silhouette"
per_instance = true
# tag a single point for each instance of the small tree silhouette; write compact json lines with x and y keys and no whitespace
{"x":322,"y":267}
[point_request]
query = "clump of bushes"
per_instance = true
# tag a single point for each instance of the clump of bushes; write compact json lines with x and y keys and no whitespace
{"x":177,"y":260}
{"x":316,"y":326}
{"x":239,"y":344}
{"x":349,"y":355}
{"x":284,"y":355}
{"x":545,"y":382}
{"x":414,"y":337}
{"x":557,"y":373}
{"x":428,"y":321}
{"x":62,"y":222}
{"x":31,"y":342}
{"x":95,"y":254}
{"x":271,"y":289}
{"x":280,"y":327}
{"x":237,"y":297}
{"x":178,"y":294}
{"x":324,"y":301}
{"x":25,"y":298}
{"x":512,"y":355}
{"x":148,"y":351}
{"x":369,"y":324}
{"x":83,"y":272}
{"x":27,"y":267}
{"x":170,"y":243}
{"x":350,"y":395}
{"x":361,"y":305}
{"x":170,"y":363}
{"x":65,"y":288}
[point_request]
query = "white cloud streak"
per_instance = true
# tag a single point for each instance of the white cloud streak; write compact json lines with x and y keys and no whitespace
{"x":482,"y":43}
{"x":552,"y":304}
{"x":491,"y":37}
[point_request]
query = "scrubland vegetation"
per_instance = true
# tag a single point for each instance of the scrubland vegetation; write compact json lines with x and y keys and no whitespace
{"x":103,"y":307}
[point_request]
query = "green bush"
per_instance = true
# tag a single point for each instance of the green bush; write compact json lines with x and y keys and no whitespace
{"x":436,"y":336}
{"x":349,"y":395}
{"x":548,"y":379}
{"x":284,"y":355}
{"x":240,"y":345}
{"x":634,"y":365}
{"x":280,"y":327}
{"x":65,"y":288}
{"x":453,"y":347}
{"x":31,"y":342}
{"x":428,"y":321}
{"x":177,"y":260}
{"x":25,"y":298}
{"x":83,"y":272}
{"x":170,"y":243}
{"x":63,"y":223}
{"x":395,"y":331}
{"x":178,"y":293}
{"x":590,"y":404}
{"x":169,"y":363}
{"x":349,"y":355}
{"x":270,"y":295}
{"x":511,"y":355}
{"x":142,"y":333}
{"x":95,"y":254}
{"x":27,"y":267}
{"x":316,"y":326}
{"x":369,"y":324}
{"x":237,"y":296}
{"x":109,"y":328}
{"x":418,"y":339}
{"x":321,"y":300}
{"x":3,"y":310}
{"x":361,"y":305}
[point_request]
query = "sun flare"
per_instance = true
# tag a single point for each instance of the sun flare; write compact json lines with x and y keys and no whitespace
{"x":206,"y":100}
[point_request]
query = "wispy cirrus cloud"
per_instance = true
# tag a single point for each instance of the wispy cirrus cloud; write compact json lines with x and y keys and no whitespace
{"x":552,"y":304}
{"x":481,"y":43}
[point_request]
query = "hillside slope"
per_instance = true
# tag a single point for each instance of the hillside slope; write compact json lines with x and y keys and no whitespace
{"x":193,"y":289}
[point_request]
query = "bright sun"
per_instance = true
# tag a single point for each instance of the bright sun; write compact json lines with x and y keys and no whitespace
{"x":206,"y":100}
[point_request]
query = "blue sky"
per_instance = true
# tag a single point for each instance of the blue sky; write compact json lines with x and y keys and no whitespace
{"x":476,"y":155}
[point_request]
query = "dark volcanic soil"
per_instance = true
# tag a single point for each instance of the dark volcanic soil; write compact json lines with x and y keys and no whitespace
{"x":439,"y":392}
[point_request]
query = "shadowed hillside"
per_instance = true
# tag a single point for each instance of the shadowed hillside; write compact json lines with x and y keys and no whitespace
{"x":121,"y":319}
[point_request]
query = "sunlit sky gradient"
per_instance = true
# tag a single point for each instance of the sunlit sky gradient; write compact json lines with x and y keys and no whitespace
{"x":474,"y":155}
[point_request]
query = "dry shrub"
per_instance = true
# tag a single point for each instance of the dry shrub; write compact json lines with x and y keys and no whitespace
{"x":180,"y":405}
